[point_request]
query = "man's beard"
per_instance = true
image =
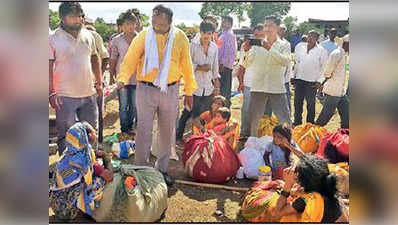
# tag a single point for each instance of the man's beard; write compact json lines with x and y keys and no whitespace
{"x":74,"y":27}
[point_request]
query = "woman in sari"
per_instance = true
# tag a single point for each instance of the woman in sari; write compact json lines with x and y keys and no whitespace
{"x":317,"y":202}
{"x":79,"y":179}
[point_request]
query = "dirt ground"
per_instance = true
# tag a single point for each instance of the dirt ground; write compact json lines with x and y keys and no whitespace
{"x":190,"y":203}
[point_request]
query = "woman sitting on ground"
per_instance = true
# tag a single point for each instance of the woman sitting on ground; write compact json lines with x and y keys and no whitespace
{"x":79,"y":179}
{"x":199,"y":124}
{"x":317,"y":202}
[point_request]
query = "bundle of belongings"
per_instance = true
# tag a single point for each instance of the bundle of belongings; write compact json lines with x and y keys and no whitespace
{"x":260,"y":200}
{"x":335,"y":147}
{"x":263,"y":151}
{"x":136,"y":194}
{"x":266,"y":125}
{"x":308,"y":136}
{"x":124,"y":149}
{"x":208,"y":158}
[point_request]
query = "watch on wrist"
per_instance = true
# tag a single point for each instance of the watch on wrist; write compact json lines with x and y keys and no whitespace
{"x":285,"y":193}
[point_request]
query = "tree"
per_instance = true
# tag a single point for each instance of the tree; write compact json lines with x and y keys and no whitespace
{"x":290,"y":23}
{"x":305,"y":27}
{"x":259,"y":10}
{"x":224,"y":8}
{"x":189,"y":31}
{"x":54,"y":19}
{"x":104,"y":29}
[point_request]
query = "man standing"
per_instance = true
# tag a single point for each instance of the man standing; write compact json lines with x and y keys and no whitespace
{"x":226,"y":56}
{"x":99,"y":44}
{"x":159,"y":56}
{"x":287,"y":72}
{"x":296,"y":38}
{"x":120,"y":45}
{"x":329,"y":44}
{"x":310,"y":61}
{"x":245,"y":79}
{"x":73,"y":63}
{"x":269,"y":62}
{"x":204,"y":55}
{"x":335,"y":87}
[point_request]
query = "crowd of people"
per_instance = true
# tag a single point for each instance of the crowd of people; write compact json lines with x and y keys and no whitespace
{"x":148,"y":66}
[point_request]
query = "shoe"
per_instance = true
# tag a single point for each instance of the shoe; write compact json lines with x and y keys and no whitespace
{"x":168,"y":179}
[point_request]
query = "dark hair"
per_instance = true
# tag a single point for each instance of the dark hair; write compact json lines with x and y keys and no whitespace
{"x":314,"y":176}
{"x":258,"y":27}
{"x":220,"y":98}
{"x":119,"y":22}
{"x":206,"y":26}
{"x":225,"y":113}
{"x":163,"y":9}
{"x":128,"y":17}
{"x":274,"y":19}
{"x":67,"y":8}
{"x":286,"y":132}
{"x":229,"y":19}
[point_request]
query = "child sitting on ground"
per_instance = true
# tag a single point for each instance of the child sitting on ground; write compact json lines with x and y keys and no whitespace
{"x":277,"y":153}
{"x":207,"y":116}
{"x":222,"y":126}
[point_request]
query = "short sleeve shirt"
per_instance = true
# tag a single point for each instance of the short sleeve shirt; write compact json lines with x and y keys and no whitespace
{"x":73,"y":75}
{"x":118,"y":51}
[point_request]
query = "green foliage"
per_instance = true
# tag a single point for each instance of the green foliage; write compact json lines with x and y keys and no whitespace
{"x":104,"y":29}
{"x":290,"y":23}
{"x":54,"y":19}
{"x":259,"y":10}
{"x":305,"y":27}
{"x":143,"y":17}
{"x":189,"y":31}
{"x":224,"y":9}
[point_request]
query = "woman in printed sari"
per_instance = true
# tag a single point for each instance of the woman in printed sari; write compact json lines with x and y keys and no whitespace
{"x":317,"y":202}
{"x":79,"y":179}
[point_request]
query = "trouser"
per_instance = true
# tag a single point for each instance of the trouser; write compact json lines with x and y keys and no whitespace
{"x":329,"y":108}
{"x":127,"y":108}
{"x":244,"y":129}
{"x":226,"y":84}
{"x":73,"y":110}
{"x":151,"y":100}
{"x":200,"y":104}
{"x":304,"y":90}
{"x":268,"y":108}
{"x":258,"y":100}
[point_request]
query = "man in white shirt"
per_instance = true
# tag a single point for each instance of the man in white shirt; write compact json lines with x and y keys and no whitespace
{"x":335,"y":87}
{"x":244,"y":77}
{"x":268,"y":61}
{"x":204,"y":54}
{"x":286,"y":74}
{"x":73,"y":65}
{"x":310,"y":62}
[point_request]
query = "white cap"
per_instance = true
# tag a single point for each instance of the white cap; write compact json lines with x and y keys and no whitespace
{"x":346,"y":38}
{"x":89,"y":20}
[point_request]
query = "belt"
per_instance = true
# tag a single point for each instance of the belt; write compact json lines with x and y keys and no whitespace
{"x":152,"y":85}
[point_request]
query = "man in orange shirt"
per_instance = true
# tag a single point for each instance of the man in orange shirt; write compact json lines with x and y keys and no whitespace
{"x":160,"y":56}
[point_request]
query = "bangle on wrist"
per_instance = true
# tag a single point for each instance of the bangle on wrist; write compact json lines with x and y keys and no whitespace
{"x":52,"y":94}
{"x":285,"y":194}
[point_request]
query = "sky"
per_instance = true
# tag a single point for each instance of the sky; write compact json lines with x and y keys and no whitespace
{"x":187,"y":13}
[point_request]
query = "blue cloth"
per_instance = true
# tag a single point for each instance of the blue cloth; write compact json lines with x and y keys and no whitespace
{"x":329,"y":46}
{"x":127,"y":107}
{"x":278,"y":158}
{"x":294,"y":41}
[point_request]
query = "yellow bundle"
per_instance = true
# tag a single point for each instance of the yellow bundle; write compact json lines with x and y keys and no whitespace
{"x":308,"y":136}
{"x":266,"y":125}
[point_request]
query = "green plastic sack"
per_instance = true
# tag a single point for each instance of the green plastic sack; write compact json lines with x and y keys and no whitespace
{"x":111,"y":138}
{"x":145,"y":203}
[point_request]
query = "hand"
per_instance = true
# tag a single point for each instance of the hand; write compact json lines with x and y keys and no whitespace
{"x":107,"y":175}
{"x":119,"y":85}
{"x":289,"y":178}
{"x":188,"y":101}
{"x":98,"y":88}
{"x":221,"y":69}
{"x":206,"y":68}
{"x":317,"y":85}
{"x":240,"y":88}
{"x":266,"y":45}
{"x":216,"y":91}
{"x":55,"y":102}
